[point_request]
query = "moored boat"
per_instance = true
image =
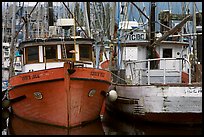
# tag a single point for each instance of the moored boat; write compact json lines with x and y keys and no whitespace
{"x":57,"y":92}
{"x":158,"y":89}
{"x":59,"y":83}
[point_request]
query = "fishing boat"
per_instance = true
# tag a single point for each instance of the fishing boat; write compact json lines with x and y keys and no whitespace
{"x":59,"y":84}
{"x":159,"y":89}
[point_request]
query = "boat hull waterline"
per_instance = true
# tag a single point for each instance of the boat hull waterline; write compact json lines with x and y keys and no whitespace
{"x":164,"y":104}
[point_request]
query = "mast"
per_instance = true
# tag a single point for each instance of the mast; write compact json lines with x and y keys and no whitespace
{"x":3,"y":22}
{"x":12,"y":47}
{"x":50,"y":14}
{"x":112,"y":30}
{"x":112,"y":21}
{"x":107,"y":19}
{"x":152,"y":24}
{"x":87,"y":17}
{"x":38,"y":21}
{"x":151,"y":48}
{"x":194,"y":41}
{"x":119,"y":48}
{"x":194,"y":32}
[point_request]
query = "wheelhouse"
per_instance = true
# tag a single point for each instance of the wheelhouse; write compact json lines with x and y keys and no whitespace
{"x":48,"y":53}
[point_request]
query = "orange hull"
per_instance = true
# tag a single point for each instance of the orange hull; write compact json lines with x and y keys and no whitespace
{"x":56,"y":97}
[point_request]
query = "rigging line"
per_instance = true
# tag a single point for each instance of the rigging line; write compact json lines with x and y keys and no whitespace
{"x":106,"y":30}
{"x":196,"y":7}
{"x":119,"y":77}
{"x":144,"y":9}
{"x":140,"y":14}
{"x":25,"y":21}
{"x":131,"y":12}
{"x":103,"y":10}
{"x":98,"y":17}
{"x":163,"y":25}
{"x":140,"y":10}
{"x":74,"y":19}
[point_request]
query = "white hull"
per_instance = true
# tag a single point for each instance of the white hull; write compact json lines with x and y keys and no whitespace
{"x":148,"y":102}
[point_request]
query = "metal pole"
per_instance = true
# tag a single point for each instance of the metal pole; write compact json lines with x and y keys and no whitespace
{"x":148,"y":71}
{"x":194,"y":31}
{"x":119,"y":48}
{"x":12,"y":48}
{"x":164,"y":71}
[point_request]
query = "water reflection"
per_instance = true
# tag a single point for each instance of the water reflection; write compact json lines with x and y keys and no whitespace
{"x":118,"y":125}
{"x":110,"y":125}
{"x":19,"y":126}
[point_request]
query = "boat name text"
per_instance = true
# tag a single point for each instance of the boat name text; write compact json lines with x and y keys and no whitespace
{"x":193,"y":91}
{"x":138,"y":36}
{"x":28,"y":77}
{"x":100,"y":74}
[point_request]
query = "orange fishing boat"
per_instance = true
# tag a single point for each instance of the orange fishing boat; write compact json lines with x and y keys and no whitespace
{"x":60,"y":83}
{"x":55,"y":90}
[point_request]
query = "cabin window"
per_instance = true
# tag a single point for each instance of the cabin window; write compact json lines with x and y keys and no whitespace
{"x":51,"y":53}
{"x":85,"y":52}
{"x":69,"y":49}
{"x":32,"y":55}
{"x":167,"y":53}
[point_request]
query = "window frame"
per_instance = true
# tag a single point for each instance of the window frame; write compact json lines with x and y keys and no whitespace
{"x":165,"y":54}
{"x":26,"y":61}
{"x":45,"y":56}
{"x":90,"y":52}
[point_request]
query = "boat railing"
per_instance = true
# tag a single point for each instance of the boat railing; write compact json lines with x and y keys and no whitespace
{"x":133,"y":69}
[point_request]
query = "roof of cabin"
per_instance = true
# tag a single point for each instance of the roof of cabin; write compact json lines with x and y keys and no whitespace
{"x":54,"y":41}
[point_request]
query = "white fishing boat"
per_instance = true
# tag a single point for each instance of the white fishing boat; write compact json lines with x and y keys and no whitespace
{"x":159,"y":89}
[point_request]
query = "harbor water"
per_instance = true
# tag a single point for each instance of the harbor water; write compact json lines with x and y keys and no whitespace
{"x":109,"y":124}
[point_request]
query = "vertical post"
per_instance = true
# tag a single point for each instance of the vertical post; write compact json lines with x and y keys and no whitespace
{"x":112,"y":21}
{"x":97,"y":51}
{"x":12,"y":48}
{"x":140,"y":73}
{"x":26,"y":26}
{"x":194,"y":32}
{"x":180,"y":69}
{"x":152,"y":34}
{"x":148,"y":70}
{"x":164,"y":71}
{"x":3,"y":23}
{"x":189,"y":74}
{"x":44,"y":56}
{"x":87,"y":18}
{"x":119,"y":47}
{"x":38,"y":22}
{"x":50,"y":14}
{"x":194,"y":42}
{"x":152,"y":23}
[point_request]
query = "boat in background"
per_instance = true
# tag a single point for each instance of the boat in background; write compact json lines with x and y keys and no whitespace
{"x":5,"y":64}
{"x":158,"y":89}
{"x":59,"y":84}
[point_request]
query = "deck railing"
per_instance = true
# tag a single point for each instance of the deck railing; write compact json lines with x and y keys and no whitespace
{"x":129,"y":63}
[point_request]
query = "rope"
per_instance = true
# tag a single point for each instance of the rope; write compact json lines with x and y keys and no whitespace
{"x":119,"y":77}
